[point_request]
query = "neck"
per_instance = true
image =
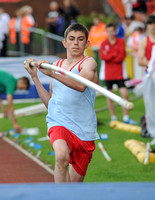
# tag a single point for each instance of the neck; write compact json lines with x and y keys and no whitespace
{"x":112,"y":40}
{"x":152,"y":37}
{"x":73,"y":59}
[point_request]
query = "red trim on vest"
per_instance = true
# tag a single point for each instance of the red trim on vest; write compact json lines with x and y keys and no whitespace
{"x":61,"y":62}
{"x":76,"y":63}
{"x":81,"y":63}
{"x":57,"y":63}
{"x":82,"y":59}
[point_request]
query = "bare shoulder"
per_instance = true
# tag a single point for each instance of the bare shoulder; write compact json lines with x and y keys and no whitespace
{"x":143,"y":42}
{"x":89,"y":63}
{"x":90,"y":59}
{"x":89,"y":69}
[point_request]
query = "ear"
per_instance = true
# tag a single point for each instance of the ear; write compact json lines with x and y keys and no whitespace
{"x":87,"y":44}
{"x":64,"y":43}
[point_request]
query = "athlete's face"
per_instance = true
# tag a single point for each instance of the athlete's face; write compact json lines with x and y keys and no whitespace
{"x":151,"y":28}
{"x":111,"y":32}
{"x":76,"y":43}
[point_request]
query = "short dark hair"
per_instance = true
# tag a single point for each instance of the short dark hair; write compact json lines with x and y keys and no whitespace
{"x":150,"y":19}
{"x":129,"y":18}
{"x":110,"y":24}
{"x":76,"y":27}
{"x":26,"y":81}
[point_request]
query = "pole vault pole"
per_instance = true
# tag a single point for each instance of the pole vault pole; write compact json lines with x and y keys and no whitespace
{"x":126,"y":104}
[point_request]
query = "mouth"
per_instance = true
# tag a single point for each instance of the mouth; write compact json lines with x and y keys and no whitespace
{"x":75,"y":48}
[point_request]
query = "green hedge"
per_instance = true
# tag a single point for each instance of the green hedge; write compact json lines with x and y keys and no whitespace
{"x":88,"y":20}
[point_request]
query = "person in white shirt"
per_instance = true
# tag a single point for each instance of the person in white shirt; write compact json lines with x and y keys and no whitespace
{"x":1,"y":37}
{"x":4,"y":20}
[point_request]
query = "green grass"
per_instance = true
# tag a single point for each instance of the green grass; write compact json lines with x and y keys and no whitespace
{"x":123,"y":167}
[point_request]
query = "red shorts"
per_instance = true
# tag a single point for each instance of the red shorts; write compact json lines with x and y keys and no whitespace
{"x":80,"y":151}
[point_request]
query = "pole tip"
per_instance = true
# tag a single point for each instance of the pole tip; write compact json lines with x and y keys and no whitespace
{"x":130,"y":106}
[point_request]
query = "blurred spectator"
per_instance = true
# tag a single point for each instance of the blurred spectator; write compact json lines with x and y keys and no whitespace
{"x":134,"y":39}
{"x":146,"y":58}
{"x":139,"y":6}
{"x":1,"y":37}
{"x":128,"y":25}
{"x":52,"y":17}
{"x":132,"y":49}
{"x":140,"y":16}
{"x":97,"y":35}
{"x":55,"y":19}
{"x":4,"y":20}
{"x":112,"y":53}
{"x":15,"y":28}
{"x":27,"y":22}
{"x":136,"y":12}
{"x":70,"y":12}
{"x":133,"y":25}
{"x":132,"y":6}
{"x":121,"y":30}
{"x":128,"y":7}
{"x":150,"y":7}
{"x":60,"y":23}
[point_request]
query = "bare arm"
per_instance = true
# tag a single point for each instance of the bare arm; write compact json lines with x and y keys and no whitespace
{"x":88,"y":71}
{"x":11,"y":108}
{"x":142,"y":61}
{"x":5,"y":113}
{"x":43,"y":93}
{"x":11,"y":112}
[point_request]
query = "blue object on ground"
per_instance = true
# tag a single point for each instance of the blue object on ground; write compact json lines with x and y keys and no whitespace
{"x":36,"y":146}
{"x":16,"y":135}
{"x":51,"y":153}
{"x":28,"y":140}
{"x":104,"y":136}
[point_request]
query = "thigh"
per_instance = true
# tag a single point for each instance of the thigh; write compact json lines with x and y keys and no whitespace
{"x":61,"y":148}
{"x":74,"y":175}
{"x":59,"y":139}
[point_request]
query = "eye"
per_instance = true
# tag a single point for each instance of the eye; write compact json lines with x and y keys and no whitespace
{"x":71,"y":38}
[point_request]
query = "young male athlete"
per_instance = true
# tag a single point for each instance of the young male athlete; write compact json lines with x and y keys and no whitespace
{"x":71,"y":119}
{"x":8,"y":85}
{"x":145,"y":54}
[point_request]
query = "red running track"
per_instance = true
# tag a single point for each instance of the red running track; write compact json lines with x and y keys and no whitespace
{"x":15,"y":167}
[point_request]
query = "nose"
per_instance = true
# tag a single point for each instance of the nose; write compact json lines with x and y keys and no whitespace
{"x":76,"y":41}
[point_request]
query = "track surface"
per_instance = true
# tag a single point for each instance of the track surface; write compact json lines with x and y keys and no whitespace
{"x":15,"y":167}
